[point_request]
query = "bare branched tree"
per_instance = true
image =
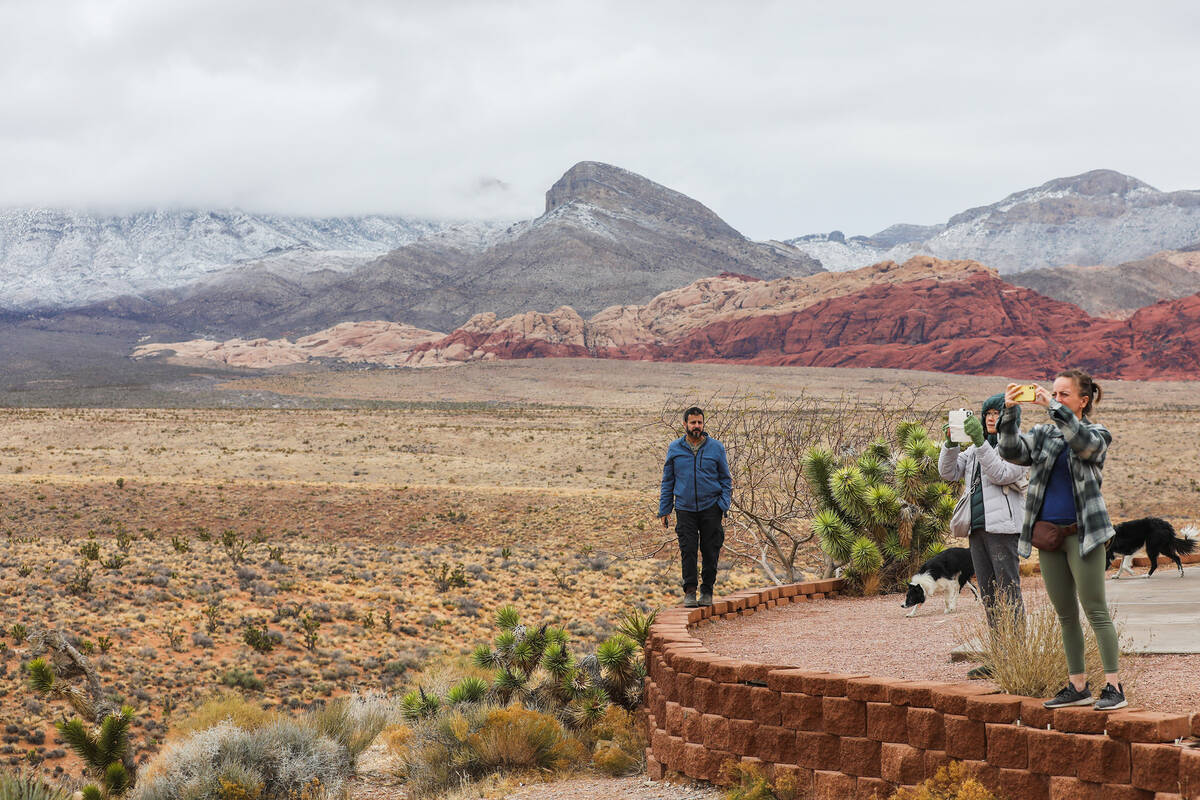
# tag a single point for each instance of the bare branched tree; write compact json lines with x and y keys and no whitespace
{"x":766,"y":438}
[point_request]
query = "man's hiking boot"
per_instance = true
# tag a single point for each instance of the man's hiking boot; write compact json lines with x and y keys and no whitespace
{"x":1111,"y":697}
{"x":982,"y":672}
{"x":689,"y":600}
{"x":705,"y":599}
{"x":1070,"y":696}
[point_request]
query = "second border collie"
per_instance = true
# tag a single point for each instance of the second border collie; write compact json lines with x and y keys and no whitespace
{"x":947,"y":572}
{"x":1154,"y":534}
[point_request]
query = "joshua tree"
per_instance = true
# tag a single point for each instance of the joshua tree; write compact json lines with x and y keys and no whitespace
{"x":881,"y":513}
{"x":100,"y":736}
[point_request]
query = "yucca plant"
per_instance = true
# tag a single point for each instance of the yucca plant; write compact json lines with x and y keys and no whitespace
{"x":881,"y":513}
{"x":468,"y":690}
{"x":636,"y":624}
{"x":45,"y":682}
{"x":419,"y":704}
{"x":101,"y":737}
{"x":535,"y":666}
{"x":104,"y":750}
{"x":28,"y":787}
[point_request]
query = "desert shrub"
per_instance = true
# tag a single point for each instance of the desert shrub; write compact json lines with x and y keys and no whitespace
{"x":618,"y":743}
{"x":445,"y":577}
{"x":951,"y":782}
{"x":474,"y":741}
{"x":520,"y":738}
{"x":352,"y":722}
{"x":258,"y":638}
{"x":240,"y":679}
{"x":28,"y":787}
{"x":882,"y":512}
{"x":749,"y":782}
{"x":224,"y":706}
{"x":1025,"y":653}
{"x":281,"y":759}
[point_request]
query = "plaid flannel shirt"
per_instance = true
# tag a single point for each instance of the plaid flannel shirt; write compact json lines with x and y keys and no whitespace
{"x":1039,"y":449}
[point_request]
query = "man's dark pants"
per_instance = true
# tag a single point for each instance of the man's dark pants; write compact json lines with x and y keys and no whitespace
{"x":699,"y":531}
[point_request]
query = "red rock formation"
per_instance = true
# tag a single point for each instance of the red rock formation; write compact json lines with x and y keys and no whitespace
{"x":945,"y":316}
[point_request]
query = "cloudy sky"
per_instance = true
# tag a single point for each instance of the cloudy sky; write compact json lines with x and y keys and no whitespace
{"x":785,"y":118}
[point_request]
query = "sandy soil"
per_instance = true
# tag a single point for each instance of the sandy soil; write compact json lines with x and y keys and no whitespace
{"x":351,"y":511}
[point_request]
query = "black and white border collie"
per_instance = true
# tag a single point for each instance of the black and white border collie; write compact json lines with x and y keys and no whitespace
{"x":1154,"y":534}
{"x":947,"y":572}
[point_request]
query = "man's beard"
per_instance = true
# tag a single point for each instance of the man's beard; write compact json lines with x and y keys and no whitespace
{"x":695,"y":434}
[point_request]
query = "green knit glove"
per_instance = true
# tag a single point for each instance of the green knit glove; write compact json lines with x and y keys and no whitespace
{"x":946,"y":432}
{"x":974,"y":428}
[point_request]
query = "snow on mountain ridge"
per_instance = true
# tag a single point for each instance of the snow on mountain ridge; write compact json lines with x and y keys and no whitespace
{"x":57,"y":257}
{"x":1097,"y":217}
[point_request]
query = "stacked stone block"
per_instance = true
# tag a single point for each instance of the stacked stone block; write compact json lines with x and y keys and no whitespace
{"x":857,"y":736}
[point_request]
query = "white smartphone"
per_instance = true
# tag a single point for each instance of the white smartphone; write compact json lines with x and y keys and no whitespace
{"x":958,"y":417}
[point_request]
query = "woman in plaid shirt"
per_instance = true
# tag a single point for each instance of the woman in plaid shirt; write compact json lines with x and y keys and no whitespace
{"x":1066,"y":457}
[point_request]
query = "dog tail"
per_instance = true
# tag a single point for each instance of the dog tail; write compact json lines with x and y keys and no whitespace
{"x":1186,"y":543}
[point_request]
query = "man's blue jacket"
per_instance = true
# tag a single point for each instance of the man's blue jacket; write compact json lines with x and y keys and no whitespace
{"x":694,"y":481}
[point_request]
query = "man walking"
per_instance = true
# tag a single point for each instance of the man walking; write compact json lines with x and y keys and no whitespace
{"x":696,"y":483}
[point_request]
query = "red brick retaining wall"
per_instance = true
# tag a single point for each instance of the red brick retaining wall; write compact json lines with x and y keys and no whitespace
{"x":850,"y":735}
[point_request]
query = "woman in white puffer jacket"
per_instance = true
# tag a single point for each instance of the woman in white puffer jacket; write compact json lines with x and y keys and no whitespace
{"x":997,"y":507}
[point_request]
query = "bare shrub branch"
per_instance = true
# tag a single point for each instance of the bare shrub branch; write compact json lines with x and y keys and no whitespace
{"x":766,"y":437}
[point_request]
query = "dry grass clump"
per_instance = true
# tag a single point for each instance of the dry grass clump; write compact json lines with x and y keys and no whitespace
{"x":751,"y":783}
{"x":618,"y":743}
{"x":397,"y":739}
{"x":354,"y":721}
{"x":951,"y":782}
{"x":1025,"y":653}
{"x":476,"y":740}
{"x":218,"y":708}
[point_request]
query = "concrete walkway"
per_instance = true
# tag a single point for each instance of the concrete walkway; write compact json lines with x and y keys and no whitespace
{"x":1159,"y":614}
{"x":1155,"y":615}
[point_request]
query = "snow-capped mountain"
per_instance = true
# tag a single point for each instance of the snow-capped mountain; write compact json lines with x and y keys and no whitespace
{"x":1099,"y":217}
{"x":51,"y":258}
{"x":608,"y":237}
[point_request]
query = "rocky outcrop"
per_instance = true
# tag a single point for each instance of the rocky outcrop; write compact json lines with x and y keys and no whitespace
{"x":386,"y":343}
{"x":925,"y":314}
{"x":1121,"y":290}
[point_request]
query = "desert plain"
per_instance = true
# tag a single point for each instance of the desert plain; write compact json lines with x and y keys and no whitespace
{"x":366,"y":523}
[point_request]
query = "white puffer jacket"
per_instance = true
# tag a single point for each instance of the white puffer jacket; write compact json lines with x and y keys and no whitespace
{"x":1003,"y":483}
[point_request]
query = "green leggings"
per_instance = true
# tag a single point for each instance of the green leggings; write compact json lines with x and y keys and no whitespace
{"x":1068,"y":575}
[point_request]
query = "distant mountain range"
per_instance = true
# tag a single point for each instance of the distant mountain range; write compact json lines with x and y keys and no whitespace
{"x":1120,"y":290}
{"x":1100,"y":217}
{"x":616,"y":266}
{"x":926,"y":314}
{"x":53,"y":258}
{"x":607,"y":236}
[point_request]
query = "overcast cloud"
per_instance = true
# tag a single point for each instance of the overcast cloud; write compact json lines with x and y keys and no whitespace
{"x":784,"y":118}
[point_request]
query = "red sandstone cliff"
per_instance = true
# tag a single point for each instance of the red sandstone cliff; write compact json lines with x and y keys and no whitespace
{"x":947,"y":316}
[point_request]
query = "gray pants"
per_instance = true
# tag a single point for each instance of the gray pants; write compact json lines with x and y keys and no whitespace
{"x":998,"y":571}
